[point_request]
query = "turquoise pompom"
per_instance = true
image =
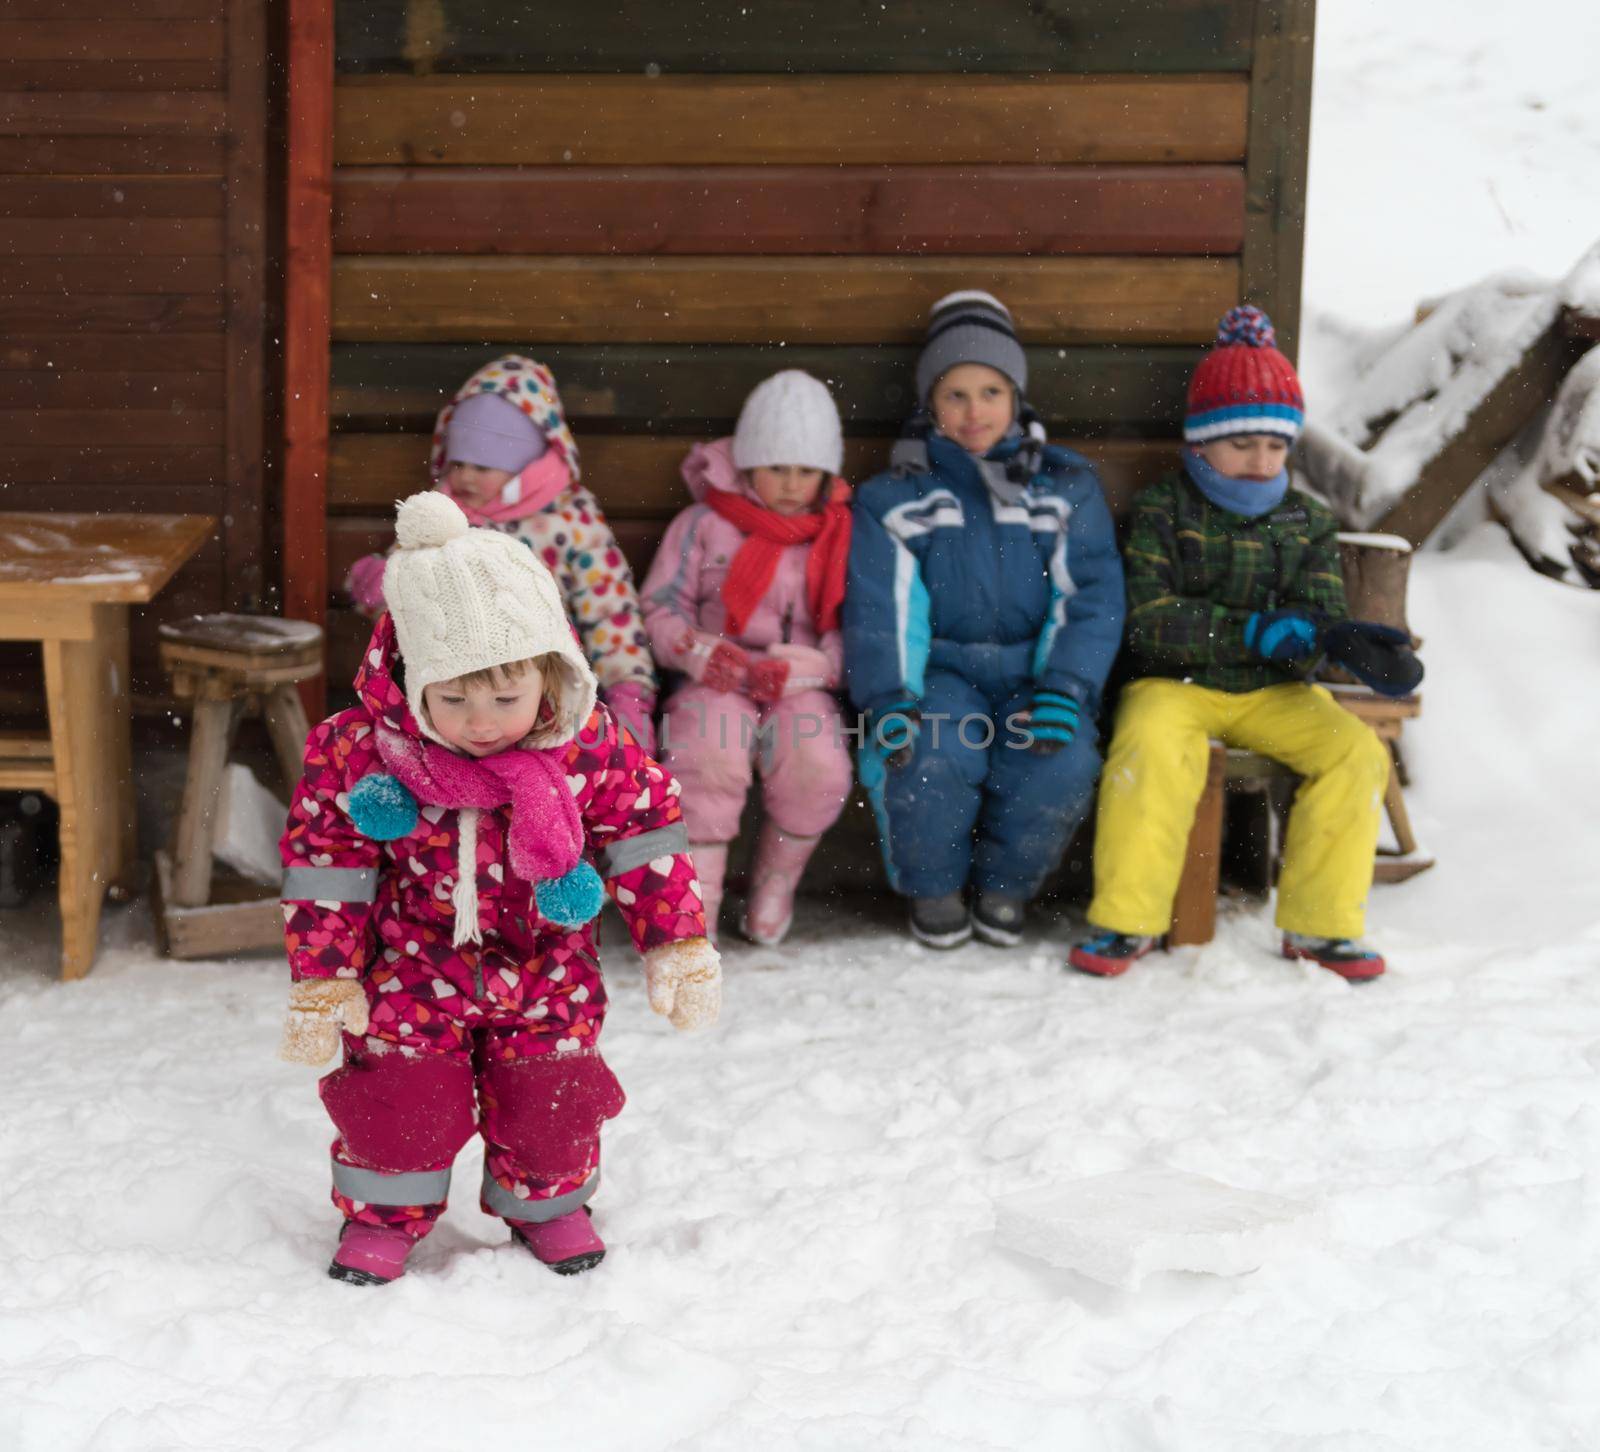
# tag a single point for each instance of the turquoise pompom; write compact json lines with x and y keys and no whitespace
{"x":382,"y":808}
{"x":572,"y":900}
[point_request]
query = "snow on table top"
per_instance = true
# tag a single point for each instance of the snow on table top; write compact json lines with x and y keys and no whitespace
{"x":106,"y":556}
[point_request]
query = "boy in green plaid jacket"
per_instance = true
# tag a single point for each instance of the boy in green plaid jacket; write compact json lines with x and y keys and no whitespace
{"x":1231,"y":575}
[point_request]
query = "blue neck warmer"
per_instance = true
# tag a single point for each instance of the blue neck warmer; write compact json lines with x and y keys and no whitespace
{"x":1247,"y":497}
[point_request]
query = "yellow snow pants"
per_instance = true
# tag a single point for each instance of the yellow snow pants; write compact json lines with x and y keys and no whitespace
{"x":1155,"y":773}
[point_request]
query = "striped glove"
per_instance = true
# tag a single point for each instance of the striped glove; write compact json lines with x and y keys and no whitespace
{"x":1053,"y":720}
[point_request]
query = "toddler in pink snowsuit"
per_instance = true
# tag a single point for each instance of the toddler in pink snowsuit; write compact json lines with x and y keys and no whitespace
{"x":502,"y":450}
{"x":439,"y":902}
{"x":743,"y":598}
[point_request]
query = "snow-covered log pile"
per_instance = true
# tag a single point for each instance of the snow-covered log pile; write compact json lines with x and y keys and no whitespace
{"x":1496,"y":392}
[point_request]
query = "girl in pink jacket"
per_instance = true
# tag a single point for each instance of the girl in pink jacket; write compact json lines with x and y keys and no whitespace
{"x":502,"y":450}
{"x":439,"y":903}
{"x":743,"y":599}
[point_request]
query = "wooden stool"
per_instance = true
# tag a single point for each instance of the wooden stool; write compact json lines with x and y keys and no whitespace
{"x":1194,"y":908}
{"x":226,"y":665}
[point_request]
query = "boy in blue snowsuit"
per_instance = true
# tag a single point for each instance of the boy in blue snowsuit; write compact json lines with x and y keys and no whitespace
{"x":984,"y":608}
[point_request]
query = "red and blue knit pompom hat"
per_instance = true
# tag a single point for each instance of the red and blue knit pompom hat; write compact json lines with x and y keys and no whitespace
{"x":1244,"y":385}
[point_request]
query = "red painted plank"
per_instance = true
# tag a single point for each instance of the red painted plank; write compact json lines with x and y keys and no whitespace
{"x":308,"y":268}
{"x":1154,"y":210}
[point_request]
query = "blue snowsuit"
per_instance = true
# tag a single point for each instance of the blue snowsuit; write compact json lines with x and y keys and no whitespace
{"x":967,"y":592}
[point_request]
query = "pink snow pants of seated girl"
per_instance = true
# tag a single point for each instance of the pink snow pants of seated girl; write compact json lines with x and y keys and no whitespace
{"x":435,"y":1066}
{"x":714,"y":741}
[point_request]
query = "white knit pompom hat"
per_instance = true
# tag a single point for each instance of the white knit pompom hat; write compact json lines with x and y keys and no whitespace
{"x":465,"y":599}
{"x":789,"y":418}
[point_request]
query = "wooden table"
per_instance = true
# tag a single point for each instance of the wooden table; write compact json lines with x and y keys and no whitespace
{"x":66,"y":581}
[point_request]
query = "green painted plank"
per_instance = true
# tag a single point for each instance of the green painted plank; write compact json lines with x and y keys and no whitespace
{"x":1104,"y":391}
{"x":838,"y":36}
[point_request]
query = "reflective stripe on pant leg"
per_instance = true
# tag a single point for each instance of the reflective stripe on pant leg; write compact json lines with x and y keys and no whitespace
{"x":412,"y":1187}
{"x":500,"y":1201}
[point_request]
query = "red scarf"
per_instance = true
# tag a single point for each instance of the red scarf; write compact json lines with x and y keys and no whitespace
{"x":767,"y":535}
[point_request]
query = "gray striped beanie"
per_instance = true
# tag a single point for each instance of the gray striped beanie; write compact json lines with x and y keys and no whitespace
{"x":970,"y":327}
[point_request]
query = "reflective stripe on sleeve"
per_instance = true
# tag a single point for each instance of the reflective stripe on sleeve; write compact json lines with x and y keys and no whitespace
{"x":631,"y":852}
{"x":372,"y":1187}
{"x":330,"y":884}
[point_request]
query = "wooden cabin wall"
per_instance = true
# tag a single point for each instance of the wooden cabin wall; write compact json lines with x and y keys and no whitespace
{"x":134,"y":229}
{"x":666,"y":203}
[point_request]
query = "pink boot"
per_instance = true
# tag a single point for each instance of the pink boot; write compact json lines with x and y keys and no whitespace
{"x":710,"y":866}
{"x":781,"y":858}
{"x":371,"y":1255}
{"x":568,"y":1244}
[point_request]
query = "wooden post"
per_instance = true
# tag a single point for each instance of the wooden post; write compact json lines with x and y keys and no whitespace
{"x":1275,"y":162}
{"x":309,"y":253}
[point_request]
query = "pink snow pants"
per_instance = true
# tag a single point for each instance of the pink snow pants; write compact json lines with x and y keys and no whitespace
{"x":714,"y":742}
{"x":537,"y":1095}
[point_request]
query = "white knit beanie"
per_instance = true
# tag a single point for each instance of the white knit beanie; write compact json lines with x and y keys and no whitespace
{"x":465,"y":599}
{"x":789,"y":418}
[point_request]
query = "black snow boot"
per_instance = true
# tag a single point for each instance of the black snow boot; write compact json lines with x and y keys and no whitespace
{"x":940,"y":922}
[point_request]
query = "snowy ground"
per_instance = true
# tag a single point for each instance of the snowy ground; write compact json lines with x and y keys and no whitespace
{"x":801,"y":1204}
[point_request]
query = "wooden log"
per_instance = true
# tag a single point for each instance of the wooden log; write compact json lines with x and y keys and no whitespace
{"x":1156,"y":210}
{"x":1279,"y":145}
{"x":111,"y":237}
{"x":130,"y":276}
{"x":1194,"y":908}
{"x":78,"y":197}
{"x":112,"y":113}
{"x":1126,"y":390}
{"x":757,"y":300}
{"x":836,"y":120}
{"x":637,"y":476}
{"x":110,"y":155}
{"x":825,"y":35}
{"x":95,"y":352}
{"x":1375,"y":578}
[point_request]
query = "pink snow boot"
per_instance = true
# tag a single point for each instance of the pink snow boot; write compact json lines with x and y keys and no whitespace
{"x":568,"y":1244}
{"x":710,"y":866}
{"x":781,"y":858}
{"x":370,"y":1255}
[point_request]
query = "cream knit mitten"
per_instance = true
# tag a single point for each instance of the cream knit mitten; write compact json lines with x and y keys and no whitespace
{"x":318,"y":1009}
{"x":684,"y":980}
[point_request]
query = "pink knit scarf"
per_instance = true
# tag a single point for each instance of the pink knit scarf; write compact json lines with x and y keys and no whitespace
{"x":546,"y":833}
{"x":544,"y":480}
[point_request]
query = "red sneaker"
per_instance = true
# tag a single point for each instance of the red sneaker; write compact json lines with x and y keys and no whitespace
{"x":568,"y":1244}
{"x":1109,"y":954}
{"x":1344,"y":956}
{"x":370,"y":1255}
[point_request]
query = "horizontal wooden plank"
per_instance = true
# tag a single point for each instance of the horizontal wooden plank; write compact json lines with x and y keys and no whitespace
{"x":110,"y":155}
{"x":78,"y":197}
{"x":1156,"y":210}
{"x":111,"y":428}
{"x":131,"y":276}
{"x":712,"y":120}
{"x":111,"y":237}
{"x":52,"y":388}
{"x":112,"y":75}
{"x":116,"y":113}
{"x":758,"y":300}
{"x":102,"y":497}
{"x":699,"y":390}
{"x":822,"y":35}
{"x":76,"y":12}
{"x":123,"y":40}
{"x":149,"y":315}
{"x":38,"y":472}
{"x":95,"y":352}
{"x":636,"y":476}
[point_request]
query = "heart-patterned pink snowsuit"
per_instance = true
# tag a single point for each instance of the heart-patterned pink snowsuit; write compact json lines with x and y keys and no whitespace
{"x":498,"y":1036}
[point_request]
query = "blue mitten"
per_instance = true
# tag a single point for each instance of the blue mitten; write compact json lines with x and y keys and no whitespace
{"x":1281,"y":636}
{"x":1053,"y":720}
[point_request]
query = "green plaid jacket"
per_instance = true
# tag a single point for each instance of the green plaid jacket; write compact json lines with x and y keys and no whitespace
{"x":1196,"y":573}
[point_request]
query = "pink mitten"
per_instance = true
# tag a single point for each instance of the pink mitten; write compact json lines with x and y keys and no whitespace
{"x":809,"y":668}
{"x":364,"y":584}
{"x":766,"y":679}
{"x":718,"y":663}
{"x":634,"y":704}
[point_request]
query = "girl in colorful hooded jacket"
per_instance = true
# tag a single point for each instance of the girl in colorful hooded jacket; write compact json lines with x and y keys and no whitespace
{"x":502,"y":450}
{"x":439,"y":903}
{"x":1232,"y":574}
{"x":743,"y":598}
{"x":984,"y":610}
